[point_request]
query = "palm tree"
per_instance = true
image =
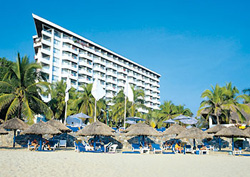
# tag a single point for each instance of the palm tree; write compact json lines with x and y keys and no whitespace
{"x":214,"y":101}
{"x":181,"y":110}
{"x":118,"y":107}
{"x":233,"y":102}
{"x":168,"y":110}
{"x":57,"y":102}
{"x":222,"y":101}
{"x":138,"y":103}
{"x":245,"y":91}
{"x":20,"y":91}
{"x":85,"y":102}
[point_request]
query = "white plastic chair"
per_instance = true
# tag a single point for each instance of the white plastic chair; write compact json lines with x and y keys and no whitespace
{"x":112,"y":148}
{"x":63,"y":143}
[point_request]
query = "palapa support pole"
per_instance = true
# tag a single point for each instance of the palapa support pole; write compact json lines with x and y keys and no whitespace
{"x":14,"y":139}
{"x":41,"y":143}
{"x":125,"y":112}
{"x":194,"y":142}
{"x":219,"y":143}
{"x":232,"y":143}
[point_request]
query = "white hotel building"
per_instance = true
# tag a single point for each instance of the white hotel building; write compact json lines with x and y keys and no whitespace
{"x":63,"y":53}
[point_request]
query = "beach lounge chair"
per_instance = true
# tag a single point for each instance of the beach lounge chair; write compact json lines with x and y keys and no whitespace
{"x":136,"y":147}
{"x":156,"y":148}
{"x":107,"y":146}
{"x":53,"y":145}
{"x":238,"y":151}
{"x":188,"y":149}
{"x":63,"y":143}
{"x":112,"y":148}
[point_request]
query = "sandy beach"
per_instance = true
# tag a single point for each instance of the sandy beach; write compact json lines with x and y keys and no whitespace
{"x":25,"y":163}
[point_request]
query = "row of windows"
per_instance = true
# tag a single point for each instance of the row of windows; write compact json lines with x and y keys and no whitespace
{"x":99,"y":50}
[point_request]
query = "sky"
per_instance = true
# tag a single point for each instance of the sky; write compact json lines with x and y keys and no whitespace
{"x":192,"y":44}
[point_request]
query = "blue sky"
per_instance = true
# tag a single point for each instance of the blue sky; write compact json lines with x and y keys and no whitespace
{"x":192,"y":44}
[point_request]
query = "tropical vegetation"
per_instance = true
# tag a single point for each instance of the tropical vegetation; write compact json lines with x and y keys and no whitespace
{"x":221,"y":102}
{"x":22,"y":86}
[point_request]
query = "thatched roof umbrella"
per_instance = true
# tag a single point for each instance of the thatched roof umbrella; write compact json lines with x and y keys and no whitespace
{"x":2,"y":131}
{"x":174,"y":129}
{"x":135,"y":126}
{"x":60,"y":126}
{"x":247,"y":131}
{"x":15,"y":124}
{"x":232,"y":132}
{"x":193,"y":133}
{"x":215,"y":129}
{"x":142,"y":129}
{"x":41,"y":128}
{"x":96,"y":129}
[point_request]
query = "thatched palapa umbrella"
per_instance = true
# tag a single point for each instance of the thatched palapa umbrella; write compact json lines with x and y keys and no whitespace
{"x":41,"y":128}
{"x":232,"y":132}
{"x":247,"y":131}
{"x":60,"y":126}
{"x":193,"y":133}
{"x":96,"y":129}
{"x":15,"y":124}
{"x":135,"y":126}
{"x":174,"y":129}
{"x":142,"y":129}
{"x":214,"y":130}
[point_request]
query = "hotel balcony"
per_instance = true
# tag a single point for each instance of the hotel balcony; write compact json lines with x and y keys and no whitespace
{"x":46,"y":70}
{"x":111,"y":66}
{"x":112,"y":88}
{"x":46,"y":42}
{"x":99,"y":69}
{"x":44,"y":60}
{"x":47,"y":33}
{"x":46,"y":51}
{"x":109,"y":95}
{"x":111,"y":73}
{"x":109,"y":80}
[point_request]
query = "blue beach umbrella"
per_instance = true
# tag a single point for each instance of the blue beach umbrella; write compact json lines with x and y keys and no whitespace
{"x":181,"y":117}
{"x":190,"y":121}
{"x":130,"y":122}
{"x":169,"y":121}
{"x":135,"y":119}
{"x":80,"y":115}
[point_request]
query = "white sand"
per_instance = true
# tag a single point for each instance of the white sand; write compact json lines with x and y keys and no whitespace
{"x":69,"y":163}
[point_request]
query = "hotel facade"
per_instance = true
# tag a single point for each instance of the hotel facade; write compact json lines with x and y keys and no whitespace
{"x":63,"y":54}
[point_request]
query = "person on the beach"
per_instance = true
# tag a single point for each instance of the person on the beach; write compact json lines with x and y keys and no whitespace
{"x":34,"y":143}
{"x":47,"y":144}
{"x":178,"y":147}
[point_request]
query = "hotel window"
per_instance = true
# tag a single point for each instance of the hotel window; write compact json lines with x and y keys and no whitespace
{"x":57,"y":34}
{"x":56,"y":42}
{"x":56,"y":61}
{"x":56,"y":51}
{"x":55,"y":69}
{"x":55,"y":78}
{"x":65,"y":36}
{"x":46,"y":47}
{"x":46,"y":38}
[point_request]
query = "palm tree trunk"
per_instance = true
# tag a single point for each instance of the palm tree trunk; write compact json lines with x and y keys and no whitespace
{"x":218,"y":120}
{"x":20,"y":110}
